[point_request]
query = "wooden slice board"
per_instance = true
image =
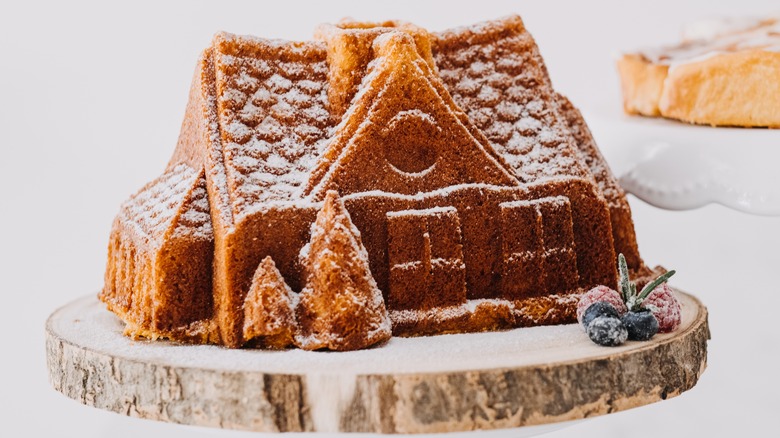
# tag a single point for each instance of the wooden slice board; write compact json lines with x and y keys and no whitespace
{"x":447,"y":383}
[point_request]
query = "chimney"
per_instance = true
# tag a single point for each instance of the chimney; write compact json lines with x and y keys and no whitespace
{"x":349,"y":45}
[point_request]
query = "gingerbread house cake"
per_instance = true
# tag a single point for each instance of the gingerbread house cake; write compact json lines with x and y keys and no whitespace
{"x":379,"y":179}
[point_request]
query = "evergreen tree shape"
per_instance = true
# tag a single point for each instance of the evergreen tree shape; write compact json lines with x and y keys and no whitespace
{"x":269,"y":310}
{"x":340,"y":307}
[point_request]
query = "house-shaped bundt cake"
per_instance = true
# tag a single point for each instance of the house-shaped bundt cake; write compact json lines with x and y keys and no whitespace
{"x":379,"y":178}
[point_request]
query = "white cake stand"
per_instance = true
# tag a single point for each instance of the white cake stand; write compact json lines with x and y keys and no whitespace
{"x":527,"y":381}
{"x":679,"y":166}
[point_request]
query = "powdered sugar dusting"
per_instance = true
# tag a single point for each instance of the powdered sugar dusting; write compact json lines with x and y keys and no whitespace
{"x":152,"y":210}
{"x":354,"y":287}
{"x":423,"y":212}
{"x":88,"y":324}
{"x":503,"y":87}
{"x":272,"y":102}
{"x":195,"y":220}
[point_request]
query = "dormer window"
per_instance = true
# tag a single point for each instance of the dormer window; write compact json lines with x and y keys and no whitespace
{"x":426,"y":259}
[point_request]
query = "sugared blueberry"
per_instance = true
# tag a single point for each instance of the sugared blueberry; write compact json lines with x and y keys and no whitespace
{"x":641,"y":325}
{"x":608,"y":331}
{"x":599,"y":308}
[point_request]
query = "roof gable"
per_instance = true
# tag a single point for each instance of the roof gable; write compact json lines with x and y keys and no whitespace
{"x":401,"y":136}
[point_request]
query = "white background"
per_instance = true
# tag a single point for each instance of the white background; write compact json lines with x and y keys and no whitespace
{"x":91,"y":98}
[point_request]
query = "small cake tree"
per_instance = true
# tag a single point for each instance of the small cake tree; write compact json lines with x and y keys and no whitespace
{"x":269,"y":315}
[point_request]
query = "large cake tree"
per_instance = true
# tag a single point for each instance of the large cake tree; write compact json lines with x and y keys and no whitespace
{"x":340,"y":307}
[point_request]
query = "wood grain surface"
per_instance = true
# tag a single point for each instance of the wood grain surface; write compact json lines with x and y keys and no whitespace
{"x":448,"y":383}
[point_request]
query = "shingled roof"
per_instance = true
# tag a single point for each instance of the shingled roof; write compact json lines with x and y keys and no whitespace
{"x":276,"y":122}
{"x":495,"y":73}
{"x":273,"y":114}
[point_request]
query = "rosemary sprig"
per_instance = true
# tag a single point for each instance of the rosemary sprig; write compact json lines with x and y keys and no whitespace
{"x":625,"y":282}
{"x":627,"y":287}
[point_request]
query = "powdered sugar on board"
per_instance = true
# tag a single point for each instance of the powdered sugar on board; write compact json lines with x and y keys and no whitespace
{"x":88,"y":324}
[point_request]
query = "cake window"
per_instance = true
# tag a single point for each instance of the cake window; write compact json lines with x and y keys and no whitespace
{"x":426,"y":259}
{"x":538,"y":248}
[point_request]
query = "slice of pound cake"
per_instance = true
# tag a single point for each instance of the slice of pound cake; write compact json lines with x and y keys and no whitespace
{"x":724,"y":73}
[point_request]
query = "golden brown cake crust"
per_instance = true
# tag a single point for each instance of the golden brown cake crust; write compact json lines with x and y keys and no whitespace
{"x":341,"y":307}
{"x":729,"y":79}
{"x":619,"y":211}
{"x":158,"y":275}
{"x":379,"y":178}
{"x":737,"y":89}
{"x":269,"y":309}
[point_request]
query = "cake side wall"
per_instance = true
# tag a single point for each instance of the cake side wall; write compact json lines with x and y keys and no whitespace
{"x":185,"y":292}
{"x":167,"y":216}
{"x":620,"y":212}
{"x":592,"y":230}
{"x":479,"y":212}
{"x":281,"y":233}
{"x":128,"y":282}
